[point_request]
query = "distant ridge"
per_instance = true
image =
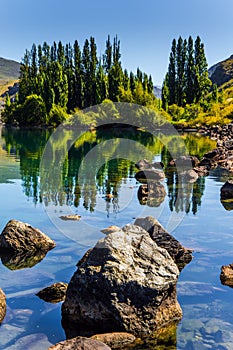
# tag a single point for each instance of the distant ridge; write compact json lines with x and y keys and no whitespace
{"x":221,"y":72}
{"x":9,"y":69}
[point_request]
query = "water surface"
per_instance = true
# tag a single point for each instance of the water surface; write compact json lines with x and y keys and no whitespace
{"x":206,"y":227}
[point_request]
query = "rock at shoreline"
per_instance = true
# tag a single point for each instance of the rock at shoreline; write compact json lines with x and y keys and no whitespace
{"x":2,"y":305}
{"x":80,"y":343}
{"x":226,"y":275}
{"x":21,"y":237}
{"x":227,"y":190}
{"x":54,"y":293}
{"x":165,"y":240}
{"x":117,"y":340}
{"x":126,"y":283}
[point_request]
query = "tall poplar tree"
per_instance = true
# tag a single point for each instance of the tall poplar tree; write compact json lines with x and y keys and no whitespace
{"x":190,"y":72}
{"x":171,"y":81}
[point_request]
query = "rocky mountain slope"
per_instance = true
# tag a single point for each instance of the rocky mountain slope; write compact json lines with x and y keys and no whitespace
{"x":9,"y":69}
{"x":222,"y":72}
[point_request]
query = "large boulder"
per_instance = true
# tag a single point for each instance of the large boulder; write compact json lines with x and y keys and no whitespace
{"x":126,"y":283}
{"x":80,"y":343}
{"x":165,"y":240}
{"x":20,"y":237}
{"x":2,"y":305}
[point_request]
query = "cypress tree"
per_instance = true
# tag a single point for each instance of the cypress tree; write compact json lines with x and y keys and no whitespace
{"x":180,"y":69}
{"x":202,"y":82}
{"x":78,"y":81}
{"x":93,"y":66}
{"x":101,"y":83}
{"x":108,"y":55}
{"x":115,"y":75}
{"x":86,"y":74}
{"x":190,"y":72}
{"x":150,"y":86}
{"x":172,"y":74}
{"x":165,"y":93}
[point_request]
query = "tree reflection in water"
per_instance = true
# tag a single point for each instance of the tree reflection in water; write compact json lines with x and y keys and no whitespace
{"x":66,"y":188}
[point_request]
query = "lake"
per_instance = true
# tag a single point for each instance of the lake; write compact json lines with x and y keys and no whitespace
{"x":94,"y":178}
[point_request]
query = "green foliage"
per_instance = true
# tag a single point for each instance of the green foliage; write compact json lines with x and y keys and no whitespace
{"x":187,"y":78}
{"x":57,"y":115}
{"x":66,"y":78}
{"x":33,"y":111}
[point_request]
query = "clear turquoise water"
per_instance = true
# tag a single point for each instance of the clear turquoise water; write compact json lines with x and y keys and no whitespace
{"x":206,"y":227}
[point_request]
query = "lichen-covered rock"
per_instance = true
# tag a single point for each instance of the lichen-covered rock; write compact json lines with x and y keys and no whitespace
{"x":126,"y":283}
{"x":54,"y":293}
{"x":165,"y":240}
{"x":2,"y":305}
{"x":80,"y":343}
{"x":18,"y":236}
{"x":226,"y":275}
{"x":116,"y":340}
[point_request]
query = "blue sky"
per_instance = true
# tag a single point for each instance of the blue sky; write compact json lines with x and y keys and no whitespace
{"x":145,"y":28}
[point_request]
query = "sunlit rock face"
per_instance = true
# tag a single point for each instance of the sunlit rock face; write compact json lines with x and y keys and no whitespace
{"x":20,"y":237}
{"x":125,"y":283}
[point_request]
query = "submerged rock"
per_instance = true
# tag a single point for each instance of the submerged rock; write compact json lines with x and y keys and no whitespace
{"x":110,"y":229}
{"x":72,"y":217}
{"x":126,"y":283}
{"x":115,"y":340}
{"x":226,"y":275}
{"x":80,"y":343}
{"x":2,"y":305}
{"x":54,"y":293}
{"x":165,"y":240}
{"x":18,"y":237}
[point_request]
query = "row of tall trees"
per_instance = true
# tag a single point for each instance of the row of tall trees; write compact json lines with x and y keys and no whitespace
{"x":66,"y":77}
{"x":186,"y":81}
